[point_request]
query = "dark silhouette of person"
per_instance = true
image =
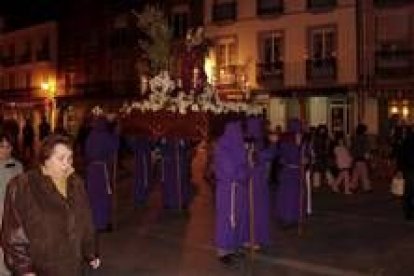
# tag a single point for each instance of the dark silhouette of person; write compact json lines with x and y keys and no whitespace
{"x":44,"y":128}
{"x":28,"y":139}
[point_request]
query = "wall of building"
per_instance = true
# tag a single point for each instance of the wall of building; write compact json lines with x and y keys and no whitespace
{"x":294,"y":23}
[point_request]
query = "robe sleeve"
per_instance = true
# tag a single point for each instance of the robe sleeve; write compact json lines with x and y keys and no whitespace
{"x":13,"y":235}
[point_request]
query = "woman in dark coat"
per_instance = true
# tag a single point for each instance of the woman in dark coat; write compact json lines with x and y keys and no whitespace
{"x":47,"y":224}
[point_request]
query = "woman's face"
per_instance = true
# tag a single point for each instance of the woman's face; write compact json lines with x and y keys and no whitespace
{"x":59,"y":164}
{"x":5,"y":149}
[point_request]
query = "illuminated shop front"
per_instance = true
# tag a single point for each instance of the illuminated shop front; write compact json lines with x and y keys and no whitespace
{"x":403,"y":109}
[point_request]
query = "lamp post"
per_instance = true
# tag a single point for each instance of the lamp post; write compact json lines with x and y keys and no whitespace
{"x":49,"y":90}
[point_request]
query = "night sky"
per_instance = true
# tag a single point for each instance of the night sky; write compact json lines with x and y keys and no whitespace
{"x":19,"y":13}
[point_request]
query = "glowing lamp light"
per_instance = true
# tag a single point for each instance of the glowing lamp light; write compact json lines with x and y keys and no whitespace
{"x":45,"y":86}
{"x":405,"y":111}
{"x":208,"y":68}
{"x":48,"y":88}
{"x":394,"y":110}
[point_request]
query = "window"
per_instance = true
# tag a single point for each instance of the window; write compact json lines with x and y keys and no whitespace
{"x":321,"y":4}
{"x":323,"y":43}
{"x":43,"y":52}
{"x":393,"y":59}
{"x":269,"y":7}
{"x":26,"y":53}
{"x":381,"y":3}
{"x":271,"y":47}
{"x":321,"y":63}
{"x":271,"y":55}
{"x":226,"y":60}
{"x":224,"y":10}
{"x":179,"y":23}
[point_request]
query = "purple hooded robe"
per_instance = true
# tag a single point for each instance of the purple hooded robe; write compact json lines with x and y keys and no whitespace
{"x":141,"y":146}
{"x":176,"y":173}
{"x":259,"y":197}
{"x":288,"y":194}
{"x":100,"y":150}
{"x":230,"y":167}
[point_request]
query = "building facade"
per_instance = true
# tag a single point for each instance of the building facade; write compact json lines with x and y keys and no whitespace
{"x":386,"y":43}
{"x":301,"y":56}
{"x":28,"y":72}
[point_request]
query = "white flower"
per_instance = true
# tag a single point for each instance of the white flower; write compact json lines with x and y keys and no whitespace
{"x":195,"y":108}
{"x":97,"y":111}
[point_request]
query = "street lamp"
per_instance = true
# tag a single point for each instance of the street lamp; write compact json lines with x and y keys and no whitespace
{"x":48,"y":90}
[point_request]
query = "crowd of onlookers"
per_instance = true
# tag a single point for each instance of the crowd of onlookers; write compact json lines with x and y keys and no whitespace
{"x":338,"y":161}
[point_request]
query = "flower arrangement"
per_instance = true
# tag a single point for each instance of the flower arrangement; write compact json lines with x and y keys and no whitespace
{"x":161,"y":98}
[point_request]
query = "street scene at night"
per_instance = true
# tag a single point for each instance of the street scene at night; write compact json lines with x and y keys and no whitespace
{"x":206,"y":137}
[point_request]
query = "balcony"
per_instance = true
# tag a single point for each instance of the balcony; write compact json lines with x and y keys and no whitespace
{"x":321,"y":4}
{"x":224,"y":12}
{"x":394,"y":64}
{"x":266,"y":9}
{"x":229,"y":77}
{"x":321,"y":70}
{"x":391,"y":3}
{"x":270,"y":73}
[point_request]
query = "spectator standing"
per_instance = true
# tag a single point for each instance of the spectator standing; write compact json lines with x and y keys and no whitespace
{"x":9,"y":168}
{"x":360,"y":152}
{"x":44,"y":128}
{"x":47,"y":226}
{"x":406,"y":163}
{"x":28,"y":139}
{"x":343,"y":160}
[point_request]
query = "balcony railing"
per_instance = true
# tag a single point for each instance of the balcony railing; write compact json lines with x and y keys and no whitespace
{"x":321,"y":69}
{"x":270,"y":72}
{"x":229,"y":77}
{"x":395,"y":64}
{"x":387,"y":3}
{"x":321,"y":4}
{"x":224,"y":12}
{"x":266,"y":9}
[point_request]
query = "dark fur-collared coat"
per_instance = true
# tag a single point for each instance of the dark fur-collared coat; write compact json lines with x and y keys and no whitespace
{"x":44,"y":232}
